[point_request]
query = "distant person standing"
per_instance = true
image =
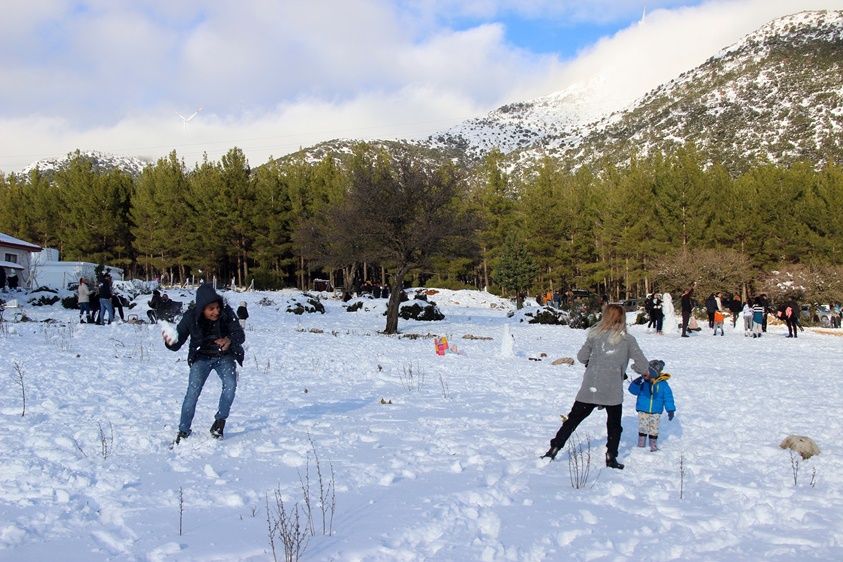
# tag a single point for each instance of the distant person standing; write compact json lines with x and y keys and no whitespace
{"x":687,"y":308}
{"x":2,"y":278}
{"x":710,"y":307}
{"x":765,"y":302}
{"x":84,"y":296}
{"x":105,"y":300}
{"x":152,"y":313}
{"x":12,"y":280}
{"x":735,"y":308}
{"x":242,"y":314}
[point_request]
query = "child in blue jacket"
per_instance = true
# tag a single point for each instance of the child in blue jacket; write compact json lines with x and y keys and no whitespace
{"x":654,"y":396}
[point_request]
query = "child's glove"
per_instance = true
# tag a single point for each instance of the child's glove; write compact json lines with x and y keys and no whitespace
{"x":670,"y":415}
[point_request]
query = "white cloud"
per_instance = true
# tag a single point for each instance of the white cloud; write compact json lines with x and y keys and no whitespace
{"x":274,"y":76}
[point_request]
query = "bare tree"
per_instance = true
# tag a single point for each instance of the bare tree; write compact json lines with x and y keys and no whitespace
{"x":399,"y":212}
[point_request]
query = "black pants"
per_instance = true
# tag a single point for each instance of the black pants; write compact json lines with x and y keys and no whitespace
{"x":580,"y":411}
{"x":685,"y":317}
{"x":792,"y":327}
{"x":711,"y":319}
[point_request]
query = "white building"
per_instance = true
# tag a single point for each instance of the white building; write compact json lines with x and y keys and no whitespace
{"x":15,"y":258}
{"x":47,"y":271}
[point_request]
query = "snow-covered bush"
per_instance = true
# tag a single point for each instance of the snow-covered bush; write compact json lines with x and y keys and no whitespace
{"x":426,"y":312}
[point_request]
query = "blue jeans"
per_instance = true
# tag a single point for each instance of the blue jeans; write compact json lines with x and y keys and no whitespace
{"x":105,"y":305}
{"x":199,"y":371}
{"x":84,"y":309}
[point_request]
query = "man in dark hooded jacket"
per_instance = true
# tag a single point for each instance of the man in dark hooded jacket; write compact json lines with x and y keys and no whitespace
{"x":216,"y":342}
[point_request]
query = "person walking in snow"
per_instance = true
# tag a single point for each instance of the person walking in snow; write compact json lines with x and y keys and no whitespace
{"x":216,"y":343}
{"x":654,"y":397}
{"x":607,"y":350}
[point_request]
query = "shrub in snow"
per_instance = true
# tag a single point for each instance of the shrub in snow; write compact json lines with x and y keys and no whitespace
{"x":426,"y":313}
{"x":310,"y":305}
{"x":44,"y":300}
{"x":548,"y":315}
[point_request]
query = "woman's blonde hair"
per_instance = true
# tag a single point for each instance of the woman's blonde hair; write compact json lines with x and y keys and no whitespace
{"x":613,"y":322}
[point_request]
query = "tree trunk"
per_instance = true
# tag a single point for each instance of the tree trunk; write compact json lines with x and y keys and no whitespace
{"x":393,"y":308}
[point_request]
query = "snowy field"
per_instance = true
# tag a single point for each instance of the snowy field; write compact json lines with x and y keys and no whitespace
{"x":449,"y":470}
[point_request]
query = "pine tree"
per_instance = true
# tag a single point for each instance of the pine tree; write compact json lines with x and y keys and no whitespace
{"x":516,"y":270}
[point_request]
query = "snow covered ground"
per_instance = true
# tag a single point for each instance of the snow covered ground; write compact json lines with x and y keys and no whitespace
{"x":448,"y":471}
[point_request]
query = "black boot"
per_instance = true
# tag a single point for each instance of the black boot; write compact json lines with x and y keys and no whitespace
{"x":181,"y":435}
{"x":216,"y":429}
{"x":551,"y":453}
{"x":612,"y":462}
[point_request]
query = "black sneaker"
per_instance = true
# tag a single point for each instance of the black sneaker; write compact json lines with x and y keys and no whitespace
{"x":182,"y":435}
{"x":216,"y":429}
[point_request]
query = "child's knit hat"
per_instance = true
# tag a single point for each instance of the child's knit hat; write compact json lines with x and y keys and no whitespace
{"x":656,"y":366}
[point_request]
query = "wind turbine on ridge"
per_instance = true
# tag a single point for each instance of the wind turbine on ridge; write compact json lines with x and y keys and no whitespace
{"x":186,"y":119}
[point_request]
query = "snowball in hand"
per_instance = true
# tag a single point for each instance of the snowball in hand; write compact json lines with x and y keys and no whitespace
{"x":168,"y":331}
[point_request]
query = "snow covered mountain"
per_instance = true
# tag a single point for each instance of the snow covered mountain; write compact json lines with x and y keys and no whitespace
{"x":101,"y":160}
{"x":526,"y":124}
{"x":775,"y":96}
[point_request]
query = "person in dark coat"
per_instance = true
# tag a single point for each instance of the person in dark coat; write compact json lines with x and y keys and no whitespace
{"x":95,"y":309}
{"x":152,"y":313}
{"x":790,"y":315}
{"x":242,"y":314}
{"x":735,"y":307}
{"x":2,"y":278}
{"x":216,"y":343}
{"x":117,"y":304}
{"x":710,"y":308}
{"x":765,"y":302}
{"x":687,"y":308}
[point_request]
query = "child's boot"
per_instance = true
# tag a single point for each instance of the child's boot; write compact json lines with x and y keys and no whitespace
{"x":642,"y":439}
{"x":654,"y":443}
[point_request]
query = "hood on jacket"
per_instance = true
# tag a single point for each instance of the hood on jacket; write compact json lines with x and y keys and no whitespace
{"x":662,"y":377}
{"x":205,"y":295}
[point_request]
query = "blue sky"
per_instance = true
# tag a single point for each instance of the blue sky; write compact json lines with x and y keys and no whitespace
{"x":272,"y":76}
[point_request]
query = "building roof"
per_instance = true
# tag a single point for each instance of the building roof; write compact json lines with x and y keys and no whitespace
{"x":10,"y":265}
{"x":12,"y":242}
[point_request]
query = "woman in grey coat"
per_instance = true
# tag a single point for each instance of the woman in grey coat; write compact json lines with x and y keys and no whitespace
{"x":606,"y":352}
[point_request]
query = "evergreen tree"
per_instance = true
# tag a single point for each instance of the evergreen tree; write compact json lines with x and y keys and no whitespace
{"x":158,"y":215}
{"x":516,"y":270}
